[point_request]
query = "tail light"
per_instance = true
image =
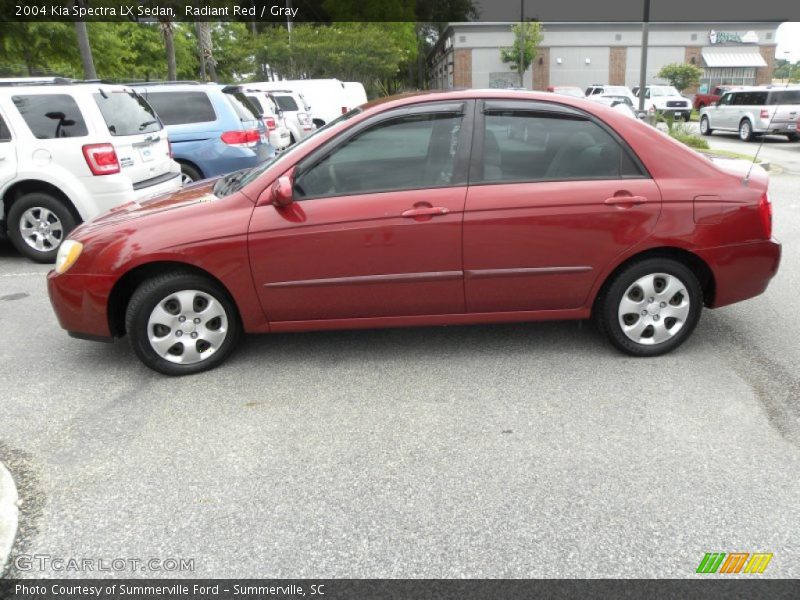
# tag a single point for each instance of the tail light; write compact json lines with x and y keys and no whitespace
{"x":765,"y":212}
{"x":248,"y":137}
{"x":764,"y":113}
{"x":101,"y":158}
{"x":270,"y":123}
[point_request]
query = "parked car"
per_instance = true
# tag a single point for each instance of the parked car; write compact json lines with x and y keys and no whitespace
{"x":566,"y":90}
{"x":70,"y":151}
{"x":417,"y":210}
{"x":294,"y":109}
{"x":325,"y":99}
{"x":709,"y":98}
{"x":614,"y":90}
{"x":665,"y":100}
{"x":754,"y":111}
{"x":279,"y":135}
{"x":212,"y":132}
{"x":621,"y":104}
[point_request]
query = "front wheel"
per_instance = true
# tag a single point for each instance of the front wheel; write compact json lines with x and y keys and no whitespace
{"x":745,"y":131}
{"x":37,"y":224}
{"x":793,"y":137}
{"x":181,"y":323}
{"x":651,"y":307}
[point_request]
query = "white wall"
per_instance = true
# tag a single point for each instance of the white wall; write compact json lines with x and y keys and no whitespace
{"x":656,"y":58}
{"x":573,"y":69}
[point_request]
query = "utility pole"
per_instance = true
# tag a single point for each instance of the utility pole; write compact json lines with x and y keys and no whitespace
{"x":522,"y":35}
{"x":643,"y":67}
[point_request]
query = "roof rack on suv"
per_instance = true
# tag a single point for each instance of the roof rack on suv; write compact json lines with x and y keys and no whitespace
{"x":29,"y":81}
{"x":152,"y":83}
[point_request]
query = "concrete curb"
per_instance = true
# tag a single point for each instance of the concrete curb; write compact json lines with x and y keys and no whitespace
{"x":9,"y":516}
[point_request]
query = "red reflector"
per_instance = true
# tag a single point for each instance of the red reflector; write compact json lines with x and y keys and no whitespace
{"x":249,"y":137}
{"x":344,"y":110}
{"x":101,"y":158}
{"x":764,"y":113}
{"x":765,"y":212}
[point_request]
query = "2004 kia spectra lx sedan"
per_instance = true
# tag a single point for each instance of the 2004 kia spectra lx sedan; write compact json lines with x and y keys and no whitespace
{"x":442,"y":208}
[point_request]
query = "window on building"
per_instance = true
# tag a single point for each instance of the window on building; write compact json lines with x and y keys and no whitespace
{"x":51,"y":116}
{"x":527,"y":146}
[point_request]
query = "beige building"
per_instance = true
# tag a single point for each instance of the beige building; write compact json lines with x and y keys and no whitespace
{"x":582,"y":54}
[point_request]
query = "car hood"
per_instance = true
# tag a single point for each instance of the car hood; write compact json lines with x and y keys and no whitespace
{"x":191,"y":195}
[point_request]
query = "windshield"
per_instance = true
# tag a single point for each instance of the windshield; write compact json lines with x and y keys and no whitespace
{"x":127,"y":113}
{"x":663,"y":91}
{"x":233,"y":182}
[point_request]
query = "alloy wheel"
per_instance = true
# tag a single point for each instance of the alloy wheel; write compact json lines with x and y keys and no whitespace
{"x":41,"y":229}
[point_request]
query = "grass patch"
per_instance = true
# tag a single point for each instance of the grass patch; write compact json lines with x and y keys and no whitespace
{"x":728,"y":154}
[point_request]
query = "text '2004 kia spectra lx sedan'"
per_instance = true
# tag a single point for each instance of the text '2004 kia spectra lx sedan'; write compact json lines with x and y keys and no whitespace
{"x":441,"y":208}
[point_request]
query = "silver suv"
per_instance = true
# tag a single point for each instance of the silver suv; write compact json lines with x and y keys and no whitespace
{"x":754,"y":111}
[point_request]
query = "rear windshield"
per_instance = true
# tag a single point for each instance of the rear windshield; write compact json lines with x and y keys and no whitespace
{"x":242,"y":106}
{"x":785,"y":97}
{"x":179,"y":108}
{"x":127,"y":113}
{"x":51,"y":115}
{"x":254,"y":101}
{"x":286,"y":103}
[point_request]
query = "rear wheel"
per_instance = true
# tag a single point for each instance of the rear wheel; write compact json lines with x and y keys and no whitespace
{"x":37,"y":224}
{"x":746,"y":131}
{"x":705,"y":127}
{"x":181,"y":323}
{"x":189,"y":174}
{"x":651,"y":307}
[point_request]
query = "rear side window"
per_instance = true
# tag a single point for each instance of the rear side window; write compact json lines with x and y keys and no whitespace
{"x":180,"y":108}
{"x":5,"y":134}
{"x":127,"y":113}
{"x":286,"y":103}
{"x":785,"y":97}
{"x":526,"y":146}
{"x":51,"y":116}
{"x":254,"y":101}
{"x":242,"y":106}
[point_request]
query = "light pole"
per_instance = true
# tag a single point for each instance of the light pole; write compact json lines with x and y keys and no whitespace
{"x":643,"y":67}
{"x":522,"y":35}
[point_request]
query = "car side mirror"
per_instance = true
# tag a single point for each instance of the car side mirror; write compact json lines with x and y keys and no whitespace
{"x":281,"y":192}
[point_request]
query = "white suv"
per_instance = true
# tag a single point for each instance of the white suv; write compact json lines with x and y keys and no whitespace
{"x":71,"y":151}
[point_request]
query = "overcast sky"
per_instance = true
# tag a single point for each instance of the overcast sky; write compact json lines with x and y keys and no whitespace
{"x":788,"y":38}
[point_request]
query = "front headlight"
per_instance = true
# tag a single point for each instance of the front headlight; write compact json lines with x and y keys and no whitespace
{"x":68,"y":253}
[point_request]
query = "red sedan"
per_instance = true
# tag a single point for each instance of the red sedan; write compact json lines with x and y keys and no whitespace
{"x":429,"y":209}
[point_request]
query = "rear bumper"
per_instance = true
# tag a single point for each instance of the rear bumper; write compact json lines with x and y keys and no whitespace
{"x":81,"y":303}
{"x":742,"y":271}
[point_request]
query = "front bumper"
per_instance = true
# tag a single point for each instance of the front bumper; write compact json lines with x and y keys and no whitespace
{"x":80,"y":302}
{"x":742,"y":271}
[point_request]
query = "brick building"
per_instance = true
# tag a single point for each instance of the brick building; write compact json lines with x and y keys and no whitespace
{"x":581,"y":54}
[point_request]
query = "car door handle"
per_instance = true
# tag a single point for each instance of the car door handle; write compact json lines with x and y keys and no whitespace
{"x":427,"y":211}
{"x":625,"y":200}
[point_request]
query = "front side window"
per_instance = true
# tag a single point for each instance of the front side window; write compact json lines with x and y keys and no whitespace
{"x":726,"y":99}
{"x":410,"y":152}
{"x":286,"y":103}
{"x":5,"y":134}
{"x":527,"y":146}
{"x":127,"y":113}
{"x":180,"y":108}
{"x":51,"y":116}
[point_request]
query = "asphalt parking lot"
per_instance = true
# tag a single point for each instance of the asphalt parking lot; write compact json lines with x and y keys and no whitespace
{"x":490,"y":451}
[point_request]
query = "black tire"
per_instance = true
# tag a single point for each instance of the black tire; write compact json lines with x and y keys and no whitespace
{"x":793,"y":137}
{"x":33,"y":204}
{"x":158,"y":289}
{"x":190,"y":174}
{"x":608,"y":303}
{"x":704,"y":122}
{"x":688,"y":117}
{"x":746,"y":131}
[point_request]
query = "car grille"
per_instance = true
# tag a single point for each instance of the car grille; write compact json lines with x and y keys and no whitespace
{"x":677,"y":104}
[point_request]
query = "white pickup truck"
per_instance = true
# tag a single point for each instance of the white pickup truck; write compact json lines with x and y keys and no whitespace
{"x":664,"y":100}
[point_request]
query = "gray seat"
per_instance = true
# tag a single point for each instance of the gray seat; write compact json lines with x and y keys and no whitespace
{"x":563,"y":163}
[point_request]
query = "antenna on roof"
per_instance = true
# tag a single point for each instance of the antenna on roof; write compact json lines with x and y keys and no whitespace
{"x":746,"y":179}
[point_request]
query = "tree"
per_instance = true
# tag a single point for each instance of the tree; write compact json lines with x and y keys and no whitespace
{"x":681,"y":75}
{"x":527,"y":37}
